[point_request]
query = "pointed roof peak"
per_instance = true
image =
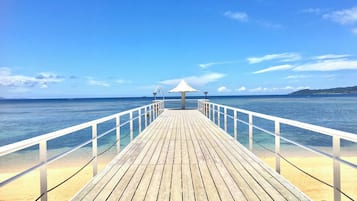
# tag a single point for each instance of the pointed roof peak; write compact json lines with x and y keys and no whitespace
{"x":183,"y":87}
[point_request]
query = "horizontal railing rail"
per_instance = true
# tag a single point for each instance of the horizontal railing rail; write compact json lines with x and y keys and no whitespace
{"x":148,"y":113}
{"x":215,"y":112}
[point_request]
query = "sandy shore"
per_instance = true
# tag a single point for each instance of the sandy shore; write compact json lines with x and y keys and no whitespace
{"x":27,"y":187}
{"x":321,"y":168}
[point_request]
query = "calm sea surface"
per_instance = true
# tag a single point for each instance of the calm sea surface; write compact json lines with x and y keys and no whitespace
{"x":23,"y":119}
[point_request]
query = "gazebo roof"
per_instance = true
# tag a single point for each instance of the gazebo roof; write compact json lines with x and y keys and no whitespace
{"x":183,"y":87}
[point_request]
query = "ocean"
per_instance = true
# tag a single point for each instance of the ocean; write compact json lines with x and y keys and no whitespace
{"x":24,"y":119}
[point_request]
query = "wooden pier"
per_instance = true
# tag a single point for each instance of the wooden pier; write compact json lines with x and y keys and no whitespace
{"x":182,"y":155}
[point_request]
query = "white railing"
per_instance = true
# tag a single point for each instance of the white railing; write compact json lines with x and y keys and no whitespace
{"x":214,"y":112}
{"x":145,"y":115}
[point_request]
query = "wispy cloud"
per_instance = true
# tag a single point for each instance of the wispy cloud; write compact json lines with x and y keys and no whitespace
{"x":331,"y":56}
{"x":206,"y":65}
{"x":296,"y":77}
{"x":93,"y":82}
{"x":277,"y":89}
{"x":283,"y":57}
{"x":243,"y":17}
{"x":274,"y":68}
{"x":239,"y":16}
{"x":196,"y":80}
{"x":42,"y":80}
{"x":121,"y":81}
{"x":223,"y":89}
{"x":328,"y":65}
{"x":241,"y":89}
{"x":344,"y":17}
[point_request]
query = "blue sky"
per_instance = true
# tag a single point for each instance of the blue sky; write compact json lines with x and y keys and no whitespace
{"x":57,"y":49}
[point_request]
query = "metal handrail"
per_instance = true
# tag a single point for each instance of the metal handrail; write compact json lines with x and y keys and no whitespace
{"x":214,"y":112}
{"x":153,"y":109}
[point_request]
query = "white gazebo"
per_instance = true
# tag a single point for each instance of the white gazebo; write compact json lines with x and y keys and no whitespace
{"x":183,"y":87}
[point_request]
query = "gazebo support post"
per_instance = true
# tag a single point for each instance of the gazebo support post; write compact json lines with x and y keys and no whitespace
{"x":183,"y":100}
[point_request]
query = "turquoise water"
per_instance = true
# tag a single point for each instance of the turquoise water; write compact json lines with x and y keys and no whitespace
{"x":23,"y":119}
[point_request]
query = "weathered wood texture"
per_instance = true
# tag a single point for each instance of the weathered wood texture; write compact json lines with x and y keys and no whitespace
{"x":184,"y":156}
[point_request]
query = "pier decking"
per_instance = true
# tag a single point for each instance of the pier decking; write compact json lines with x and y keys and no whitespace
{"x":182,"y":155}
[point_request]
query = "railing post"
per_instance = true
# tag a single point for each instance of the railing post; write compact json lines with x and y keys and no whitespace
{"x":219,"y":116}
{"x":139,"y":119}
{"x":235,"y":119}
{"x":250,"y":132}
{"x":131,"y":126}
{"x":43,"y":170}
{"x":118,"y":133}
{"x":151,"y":113}
{"x":214,"y":113}
{"x":146,"y":116}
{"x":209,"y":111}
{"x":336,"y":144}
{"x":277,"y":146}
{"x":225,"y":119}
{"x":94,"y":149}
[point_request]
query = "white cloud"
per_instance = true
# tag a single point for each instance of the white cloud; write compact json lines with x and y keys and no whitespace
{"x":99,"y":83}
{"x":274,"y":68}
{"x":240,"y":89}
{"x":296,"y":77}
{"x":331,"y":56}
{"x":42,"y":80}
{"x":283,"y":57}
{"x":277,"y":89}
{"x":223,"y":89}
{"x":120,"y":81}
{"x":344,"y":17}
{"x":328,"y":65}
{"x":206,"y":65}
{"x":259,"y":89}
{"x":240,"y":16}
{"x":195,"y":80}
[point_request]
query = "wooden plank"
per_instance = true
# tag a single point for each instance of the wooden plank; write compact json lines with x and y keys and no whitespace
{"x":176,"y":183}
{"x":183,"y":156}
{"x":187,"y":183}
{"x":143,"y":187}
{"x":268,"y":182}
{"x":199,"y":189}
{"x":115,"y":170}
{"x":222,"y":188}
{"x":270,"y":177}
{"x":154,"y":187}
{"x":165,"y":186}
{"x":117,"y":187}
{"x":250,"y":188}
{"x":131,"y":188}
{"x":208,"y":182}
{"x":141,"y":190}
